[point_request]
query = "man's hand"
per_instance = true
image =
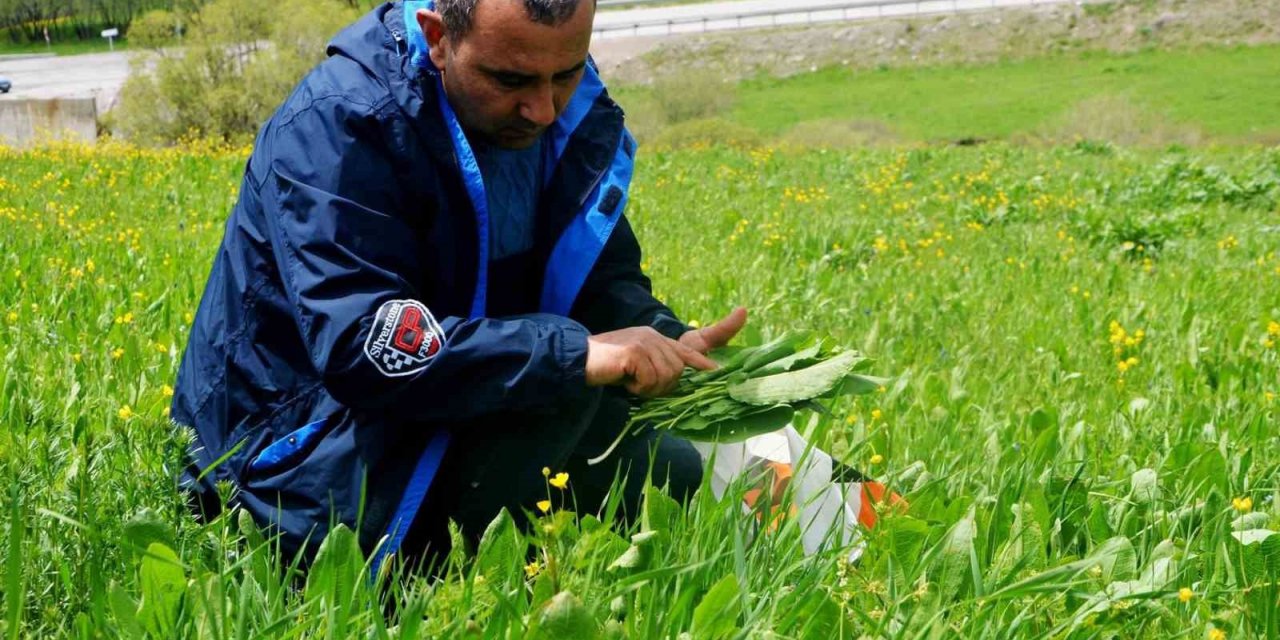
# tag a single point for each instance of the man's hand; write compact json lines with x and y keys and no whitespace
{"x":716,"y":335}
{"x":644,"y":361}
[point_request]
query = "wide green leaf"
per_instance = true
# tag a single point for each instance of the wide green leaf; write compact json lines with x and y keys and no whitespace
{"x":716,"y":616}
{"x":564,"y":617}
{"x":501,"y":547}
{"x":753,"y":424}
{"x":796,"y":386}
{"x":163,"y":582}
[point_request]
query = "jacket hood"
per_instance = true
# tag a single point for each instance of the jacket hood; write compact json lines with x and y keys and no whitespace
{"x":378,"y":43}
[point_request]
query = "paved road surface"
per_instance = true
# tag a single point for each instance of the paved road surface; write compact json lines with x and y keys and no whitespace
{"x":96,"y":74}
{"x":719,"y":16}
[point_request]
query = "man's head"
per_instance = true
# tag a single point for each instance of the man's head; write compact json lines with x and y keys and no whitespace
{"x":509,"y":66}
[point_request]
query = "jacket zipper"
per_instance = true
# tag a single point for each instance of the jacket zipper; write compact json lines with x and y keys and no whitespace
{"x":595,"y":183}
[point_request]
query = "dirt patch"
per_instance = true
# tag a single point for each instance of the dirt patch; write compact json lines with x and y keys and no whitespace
{"x":1118,"y":120}
{"x":841,"y":134}
{"x":971,"y":37}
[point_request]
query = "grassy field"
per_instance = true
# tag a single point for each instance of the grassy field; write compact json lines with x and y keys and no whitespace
{"x":1154,"y":97}
{"x":1084,"y":349}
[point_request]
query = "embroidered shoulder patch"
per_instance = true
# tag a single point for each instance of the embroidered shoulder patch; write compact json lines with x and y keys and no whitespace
{"x":404,"y":338}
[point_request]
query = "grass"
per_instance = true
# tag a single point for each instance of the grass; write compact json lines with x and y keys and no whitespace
{"x":61,"y":48}
{"x":1227,"y":94}
{"x":1084,"y":341}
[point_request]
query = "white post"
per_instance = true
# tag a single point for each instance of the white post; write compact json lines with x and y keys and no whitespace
{"x":111,"y":35}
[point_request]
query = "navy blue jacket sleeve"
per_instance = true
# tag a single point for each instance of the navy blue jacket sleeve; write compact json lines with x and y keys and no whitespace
{"x":335,"y":215}
{"x":617,"y":294}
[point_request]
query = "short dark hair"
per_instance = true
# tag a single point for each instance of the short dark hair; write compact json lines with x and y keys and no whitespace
{"x":459,"y":14}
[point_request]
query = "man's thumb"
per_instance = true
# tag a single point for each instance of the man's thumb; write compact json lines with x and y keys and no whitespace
{"x":720,"y":333}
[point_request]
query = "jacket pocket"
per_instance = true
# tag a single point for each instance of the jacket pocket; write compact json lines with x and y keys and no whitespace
{"x":292,"y":448}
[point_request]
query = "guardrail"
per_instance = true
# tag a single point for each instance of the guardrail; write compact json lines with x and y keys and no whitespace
{"x":802,"y":14}
{"x":622,"y":3}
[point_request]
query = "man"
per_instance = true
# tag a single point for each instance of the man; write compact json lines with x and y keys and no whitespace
{"x":427,"y":291}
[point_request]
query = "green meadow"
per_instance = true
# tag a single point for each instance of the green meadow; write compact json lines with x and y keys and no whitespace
{"x":1083,"y":341}
{"x":1221,"y":95}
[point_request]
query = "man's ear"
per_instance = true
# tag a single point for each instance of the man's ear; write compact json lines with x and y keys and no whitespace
{"x":433,"y":28}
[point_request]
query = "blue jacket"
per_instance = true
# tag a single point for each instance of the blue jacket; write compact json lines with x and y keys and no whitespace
{"x":346,"y":307}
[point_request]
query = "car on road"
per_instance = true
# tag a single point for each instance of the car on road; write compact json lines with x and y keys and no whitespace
{"x":5,"y":85}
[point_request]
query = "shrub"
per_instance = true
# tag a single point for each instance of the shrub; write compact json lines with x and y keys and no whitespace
{"x":836,"y":133}
{"x":238,"y":61}
{"x":693,"y":95}
{"x":153,"y":30}
{"x":707,"y":132}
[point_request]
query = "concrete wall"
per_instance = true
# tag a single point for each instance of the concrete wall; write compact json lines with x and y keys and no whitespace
{"x":23,"y":121}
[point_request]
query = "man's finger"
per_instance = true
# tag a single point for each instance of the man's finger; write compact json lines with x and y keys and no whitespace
{"x":642,"y":373}
{"x":720,"y":333}
{"x":693,"y":357}
{"x":673,"y":365}
{"x":660,"y":373}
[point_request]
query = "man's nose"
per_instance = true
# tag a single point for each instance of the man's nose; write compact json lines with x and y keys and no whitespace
{"x":540,"y":107}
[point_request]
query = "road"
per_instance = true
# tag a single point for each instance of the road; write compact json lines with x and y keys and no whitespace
{"x":102,"y":74}
{"x":720,"y":16}
{"x":94,"y":74}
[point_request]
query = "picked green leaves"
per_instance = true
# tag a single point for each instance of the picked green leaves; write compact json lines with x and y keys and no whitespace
{"x":755,"y":390}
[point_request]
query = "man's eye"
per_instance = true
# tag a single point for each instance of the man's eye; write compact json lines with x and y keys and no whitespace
{"x":510,"y":82}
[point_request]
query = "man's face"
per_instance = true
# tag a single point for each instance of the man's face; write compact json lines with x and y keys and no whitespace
{"x":510,"y":77}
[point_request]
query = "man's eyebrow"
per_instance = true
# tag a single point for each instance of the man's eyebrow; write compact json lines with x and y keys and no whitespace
{"x":572,"y":70}
{"x":527,"y":76}
{"x":507,"y":73}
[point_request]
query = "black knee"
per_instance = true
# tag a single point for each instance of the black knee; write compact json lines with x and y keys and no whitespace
{"x":677,"y":466}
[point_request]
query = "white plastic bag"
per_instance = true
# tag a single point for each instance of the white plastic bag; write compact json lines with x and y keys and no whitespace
{"x":828,"y":510}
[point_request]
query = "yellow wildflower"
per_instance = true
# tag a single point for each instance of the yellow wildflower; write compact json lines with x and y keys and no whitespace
{"x":117,"y":352}
{"x":1217,"y":634}
{"x":544,"y":506}
{"x":546,"y":472}
{"x":560,"y":481}
{"x":1243,"y":505}
{"x":125,"y":412}
{"x":876,"y":414}
{"x":851,"y":419}
{"x":531,"y":570}
{"x":167,"y":391}
{"x":1184,"y":595}
{"x":13,"y":316}
{"x":876,"y":459}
